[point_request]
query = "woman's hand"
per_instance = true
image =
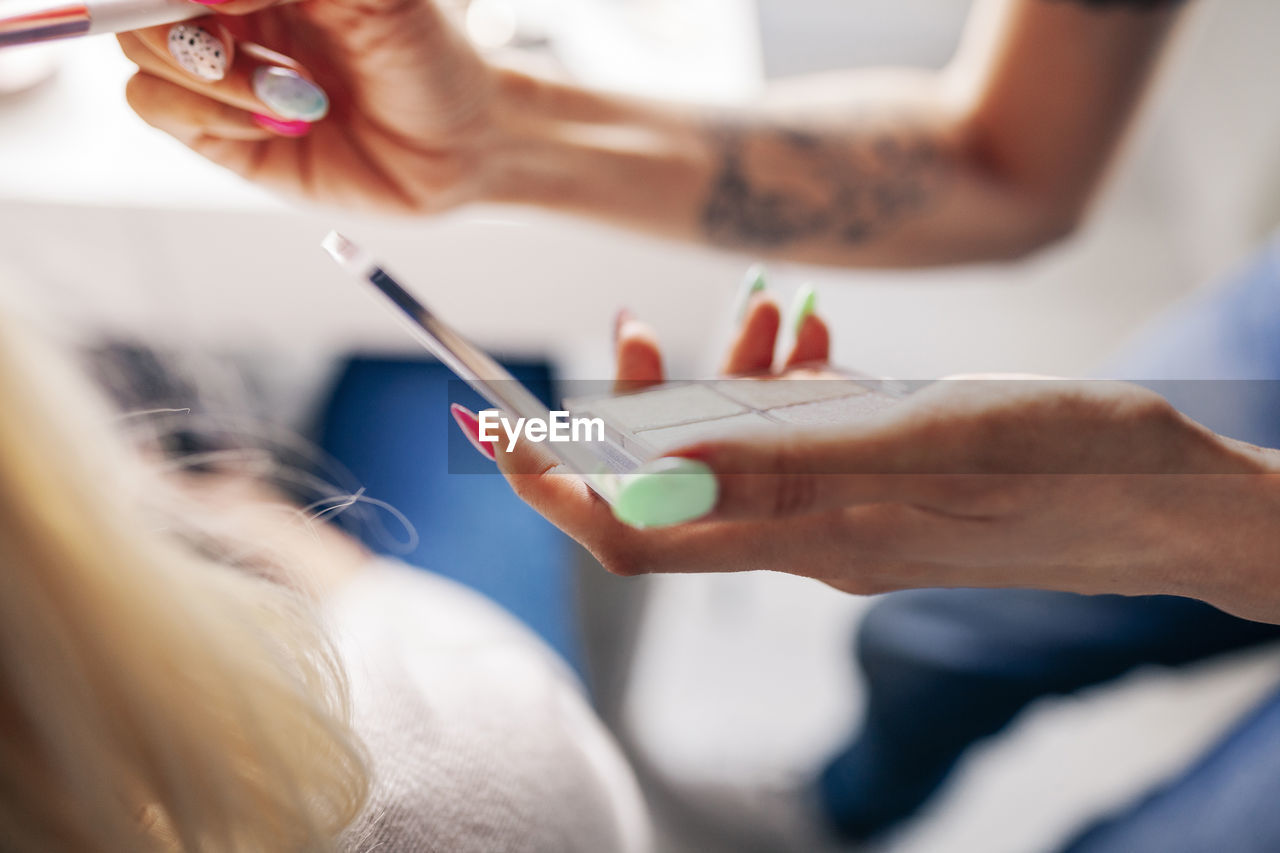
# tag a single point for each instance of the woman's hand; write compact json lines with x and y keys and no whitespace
{"x":1092,"y":487}
{"x":376,"y":104}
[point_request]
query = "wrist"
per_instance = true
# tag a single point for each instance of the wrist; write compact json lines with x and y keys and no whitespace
{"x":564,"y":147}
{"x":1255,"y":592}
{"x":1228,"y":549}
{"x":521,"y":141}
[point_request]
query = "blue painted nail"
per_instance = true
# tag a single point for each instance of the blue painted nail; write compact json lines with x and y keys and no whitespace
{"x":290,"y":95}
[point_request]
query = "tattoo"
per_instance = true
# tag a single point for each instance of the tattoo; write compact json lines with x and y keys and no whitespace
{"x":779,"y":185}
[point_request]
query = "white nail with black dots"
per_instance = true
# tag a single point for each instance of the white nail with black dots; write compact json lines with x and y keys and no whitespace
{"x":198,"y":51}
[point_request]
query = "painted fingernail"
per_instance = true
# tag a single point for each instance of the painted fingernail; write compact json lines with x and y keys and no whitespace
{"x":288,"y":94}
{"x":622,"y":318}
{"x":666,"y":491}
{"x":198,"y":51}
{"x":752,"y":283}
{"x":470,"y":426}
{"x":804,"y":304}
{"x":209,"y":2}
{"x":284,"y":128}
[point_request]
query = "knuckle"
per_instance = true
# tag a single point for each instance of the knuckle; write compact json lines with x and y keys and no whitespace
{"x":1128,"y":403}
{"x":526,"y":486}
{"x":1153,"y":410}
{"x":986,"y":494}
{"x":133,"y":49}
{"x":795,"y":491}
{"x":139,"y":93}
{"x":869,"y":533}
{"x":858,"y":578}
{"x":620,"y":559}
{"x":135,"y":92}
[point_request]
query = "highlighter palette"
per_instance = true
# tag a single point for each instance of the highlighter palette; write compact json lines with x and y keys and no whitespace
{"x":639,"y":425}
{"x":648,"y":423}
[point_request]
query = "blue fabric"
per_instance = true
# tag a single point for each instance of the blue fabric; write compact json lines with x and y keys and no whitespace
{"x":946,"y":668}
{"x":388,"y":422}
{"x":1217,"y":355}
{"x":1224,"y":802}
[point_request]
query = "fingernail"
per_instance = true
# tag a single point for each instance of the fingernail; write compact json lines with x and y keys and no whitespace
{"x":284,"y":128}
{"x":804,"y":304}
{"x":470,"y":426}
{"x":666,"y":491}
{"x":621,"y":319}
{"x":210,"y":2}
{"x":752,"y":283}
{"x":288,"y":94}
{"x":198,"y":51}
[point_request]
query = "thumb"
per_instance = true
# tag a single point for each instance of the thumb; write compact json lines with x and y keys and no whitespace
{"x":547,"y":485}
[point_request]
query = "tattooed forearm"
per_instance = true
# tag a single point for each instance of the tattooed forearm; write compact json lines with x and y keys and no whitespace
{"x":779,"y":186}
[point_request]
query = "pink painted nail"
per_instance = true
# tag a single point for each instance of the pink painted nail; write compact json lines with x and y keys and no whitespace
{"x":282,"y":127}
{"x":470,"y":426}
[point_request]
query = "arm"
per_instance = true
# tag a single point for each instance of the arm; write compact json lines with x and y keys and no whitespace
{"x":991,"y":158}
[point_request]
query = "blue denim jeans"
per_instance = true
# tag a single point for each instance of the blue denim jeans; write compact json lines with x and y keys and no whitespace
{"x":946,"y":668}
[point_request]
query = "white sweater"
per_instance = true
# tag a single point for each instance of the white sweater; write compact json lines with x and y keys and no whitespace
{"x":480,"y":737}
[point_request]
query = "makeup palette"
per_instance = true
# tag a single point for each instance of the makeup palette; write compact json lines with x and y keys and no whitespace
{"x":643,"y":424}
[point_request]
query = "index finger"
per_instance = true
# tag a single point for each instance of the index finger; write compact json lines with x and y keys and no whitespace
{"x":637,"y":355}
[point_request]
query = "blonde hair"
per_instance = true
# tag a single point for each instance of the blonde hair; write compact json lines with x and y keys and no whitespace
{"x":150,"y":698}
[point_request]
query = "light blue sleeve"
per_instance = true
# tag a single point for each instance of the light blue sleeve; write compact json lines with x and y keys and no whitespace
{"x":1217,"y":354}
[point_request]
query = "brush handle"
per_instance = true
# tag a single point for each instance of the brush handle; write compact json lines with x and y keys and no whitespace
{"x":31,"y":21}
{"x":118,"y":16}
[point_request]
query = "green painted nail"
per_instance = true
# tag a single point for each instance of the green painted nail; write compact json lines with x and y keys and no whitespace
{"x":666,"y":491}
{"x":753,"y":282}
{"x":804,"y":304}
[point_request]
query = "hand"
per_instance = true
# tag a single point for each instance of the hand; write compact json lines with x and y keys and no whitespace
{"x":1091,"y":487}
{"x":409,"y":107}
